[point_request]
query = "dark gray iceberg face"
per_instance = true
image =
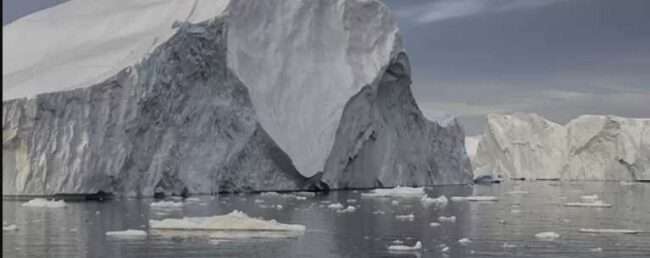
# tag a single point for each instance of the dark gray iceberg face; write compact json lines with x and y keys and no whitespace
{"x":384,"y":140}
{"x":237,"y":96}
{"x":178,"y":121}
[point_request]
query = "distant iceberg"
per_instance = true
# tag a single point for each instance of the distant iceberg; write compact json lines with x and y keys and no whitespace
{"x":44,"y":203}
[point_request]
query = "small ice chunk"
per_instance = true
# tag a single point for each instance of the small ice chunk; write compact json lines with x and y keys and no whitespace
{"x":608,"y":231}
{"x":347,"y":210}
{"x":445,"y":249}
{"x":415,"y":247}
{"x":517,"y":192}
{"x":193,"y":199}
{"x":378,"y":212}
{"x":596,"y":250}
{"x":408,"y":217}
{"x":395,"y":202}
{"x":447,"y":219}
{"x":43,"y":203}
{"x":129,"y":233}
{"x":464,"y":241}
{"x":507,"y":245}
{"x":476,"y":198}
{"x":400,"y":191}
{"x":300,"y":198}
{"x":279,"y":207}
{"x":398,"y":242}
{"x":335,"y":206}
{"x":351,"y":201}
{"x":166,"y":205}
{"x":434,"y":224}
{"x":8,"y":227}
{"x":440,"y":201}
{"x":548,"y":236}
{"x":594,"y":204}
{"x":258,"y":201}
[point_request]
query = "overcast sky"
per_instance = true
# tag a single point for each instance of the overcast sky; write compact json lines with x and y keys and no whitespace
{"x":559,"y":58}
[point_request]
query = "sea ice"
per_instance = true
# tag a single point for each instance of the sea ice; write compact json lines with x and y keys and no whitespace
{"x":43,"y":203}
{"x":548,"y":236}
{"x":166,"y":205}
{"x":399,"y":191}
{"x":129,"y":233}
{"x":417,"y":246}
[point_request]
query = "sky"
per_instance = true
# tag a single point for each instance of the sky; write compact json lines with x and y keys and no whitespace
{"x":557,"y":58}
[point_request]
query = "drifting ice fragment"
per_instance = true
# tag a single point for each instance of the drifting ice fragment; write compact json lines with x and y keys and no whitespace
{"x":417,"y":246}
{"x":129,"y":233}
{"x":590,"y":198}
{"x":447,"y":219}
{"x":408,"y":217}
{"x":434,"y":224}
{"x":43,"y":203}
{"x":596,"y":250}
{"x":394,"y":202}
{"x":335,"y":206}
{"x":506,"y":245}
{"x":378,"y":212}
{"x":403,"y":192}
{"x":440,"y":201}
{"x":608,"y":230}
{"x":347,"y":210}
{"x":11,"y":227}
{"x":464,"y":241}
{"x":548,"y":236}
{"x":166,"y":205}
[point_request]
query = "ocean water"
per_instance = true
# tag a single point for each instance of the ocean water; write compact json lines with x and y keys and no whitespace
{"x":79,"y":230}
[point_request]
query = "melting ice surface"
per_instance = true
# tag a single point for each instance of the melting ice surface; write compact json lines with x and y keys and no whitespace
{"x":101,"y":229}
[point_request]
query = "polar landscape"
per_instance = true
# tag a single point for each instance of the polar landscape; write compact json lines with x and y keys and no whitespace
{"x":307,"y":128}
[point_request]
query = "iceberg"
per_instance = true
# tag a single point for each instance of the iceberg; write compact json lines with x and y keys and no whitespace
{"x":349,"y":209}
{"x":167,"y":205}
{"x":608,"y":231}
{"x":464,"y":241}
{"x":594,"y":204}
{"x":547,"y":236}
{"x":440,"y":201}
{"x":129,"y":233}
{"x":210,"y":96}
{"x":407,"y":217}
{"x":335,"y":206}
{"x":233,"y":225}
{"x":9,"y":227}
{"x":415,"y":247}
{"x":474,"y":198}
{"x":44,"y":203}
{"x":590,"y":147}
{"x":399,"y":191}
{"x":447,"y":219}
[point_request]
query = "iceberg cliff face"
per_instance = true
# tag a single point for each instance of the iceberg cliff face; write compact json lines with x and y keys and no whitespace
{"x":210,"y":96}
{"x":589,"y":147}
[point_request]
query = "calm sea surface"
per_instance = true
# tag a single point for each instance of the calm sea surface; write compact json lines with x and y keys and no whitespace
{"x":79,"y":230}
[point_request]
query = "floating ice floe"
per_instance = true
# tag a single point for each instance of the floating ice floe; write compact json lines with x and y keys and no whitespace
{"x":378,"y":212}
{"x":434,"y":224}
{"x":400,"y":191}
{"x":594,"y":204}
{"x":9,"y":227}
{"x":347,"y":210}
{"x":234,"y":225}
{"x":608,"y":231}
{"x":590,"y":198}
{"x":398,"y":248}
{"x":408,"y":217}
{"x":447,"y":219}
{"x":464,"y":241}
{"x":548,"y":236}
{"x":129,"y":233}
{"x":335,"y":206}
{"x":166,"y":205}
{"x":476,"y":198}
{"x":445,"y":248}
{"x":440,"y":201}
{"x":43,"y":203}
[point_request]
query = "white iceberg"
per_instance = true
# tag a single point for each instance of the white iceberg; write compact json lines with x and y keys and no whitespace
{"x":447,"y":219}
{"x":596,"y":250}
{"x":347,"y":210}
{"x":407,"y":217}
{"x":415,"y":247}
{"x":508,"y":245}
{"x":335,"y":206}
{"x":166,"y":205}
{"x":440,"y":201}
{"x":464,"y":241}
{"x":43,"y":203}
{"x":595,"y":204}
{"x":434,"y":224}
{"x":399,"y":191}
{"x":234,"y":225}
{"x":10,"y":227}
{"x":547,"y":236}
{"x":608,"y":230}
{"x":129,"y":233}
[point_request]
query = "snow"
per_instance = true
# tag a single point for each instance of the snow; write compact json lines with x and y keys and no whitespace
{"x":474,"y":198}
{"x":129,"y":233}
{"x":594,"y":204}
{"x":439,"y":201}
{"x":166,"y":205}
{"x":415,"y":247}
{"x":232,"y":225}
{"x":523,"y":145}
{"x":447,"y":219}
{"x":43,"y":203}
{"x":9,"y":227}
{"x":399,"y":191}
{"x":548,"y":236}
{"x":464,"y":241}
{"x":87,"y":42}
{"x":608,"y":231}
{"x":407,"y":217}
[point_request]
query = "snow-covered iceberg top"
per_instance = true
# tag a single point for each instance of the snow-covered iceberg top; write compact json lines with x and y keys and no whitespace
{"x":44,"y":203}
{"x":590,"y":147}
{"x":235,"y":224}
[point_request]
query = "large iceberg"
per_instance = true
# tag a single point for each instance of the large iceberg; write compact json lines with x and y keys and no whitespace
{"x":590,"y":147}
{"x":205,"y":96}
